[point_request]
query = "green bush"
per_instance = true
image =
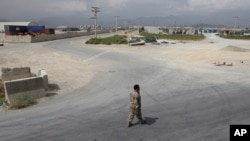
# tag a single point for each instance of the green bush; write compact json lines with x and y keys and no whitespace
{"x":117,"y":39}
{"x":23,"y":101}
{"x":174,"y":36}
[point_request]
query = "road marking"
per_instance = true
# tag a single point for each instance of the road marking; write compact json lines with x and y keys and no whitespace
{"x":96,"y":56}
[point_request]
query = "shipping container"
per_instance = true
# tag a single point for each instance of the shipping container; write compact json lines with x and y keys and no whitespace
{"x":15,"y":28}
{"x":13,"y":33}
{"x":24,"y":30}
{"x":36,"y":28}
{"x":49,"y":31}
{"x":7,"y":33}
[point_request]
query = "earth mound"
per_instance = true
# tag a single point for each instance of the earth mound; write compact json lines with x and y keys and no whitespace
{"x":235,"y":49}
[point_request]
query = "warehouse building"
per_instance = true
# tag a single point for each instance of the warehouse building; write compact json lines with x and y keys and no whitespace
{"x":2,"y":24}
{"x":24,"y":28}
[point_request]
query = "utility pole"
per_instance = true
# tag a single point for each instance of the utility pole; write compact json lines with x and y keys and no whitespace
{"x":235,"y":21}
{"x":95,"y":10}
{"x":125,"y":24}
{"x":116,"y":22}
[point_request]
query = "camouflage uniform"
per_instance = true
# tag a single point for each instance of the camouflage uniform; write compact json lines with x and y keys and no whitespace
{"x":135,"y":107}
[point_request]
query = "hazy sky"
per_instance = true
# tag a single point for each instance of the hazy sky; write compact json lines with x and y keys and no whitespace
{"x":130,"y":9}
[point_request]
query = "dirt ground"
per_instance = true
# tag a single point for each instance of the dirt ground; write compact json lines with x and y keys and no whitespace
{"x":54,"y":62}
{"x":193,"y":56}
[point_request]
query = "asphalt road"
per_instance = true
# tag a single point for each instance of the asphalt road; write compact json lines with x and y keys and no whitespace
{"x":178,"y":105}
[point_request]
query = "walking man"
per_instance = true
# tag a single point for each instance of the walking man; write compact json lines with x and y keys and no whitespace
{"x":135,"y":106}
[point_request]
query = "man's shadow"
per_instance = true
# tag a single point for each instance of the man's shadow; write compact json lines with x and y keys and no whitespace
{"x":150,"y":121}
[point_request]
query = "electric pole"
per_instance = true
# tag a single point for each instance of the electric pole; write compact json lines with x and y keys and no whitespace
{"x":95,"y":10}
{"x":235,"y":23}
{"x":116,"y":22}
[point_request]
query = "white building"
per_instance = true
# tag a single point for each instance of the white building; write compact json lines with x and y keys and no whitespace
{"x":152,"y":29}
{"x":2,"y":24}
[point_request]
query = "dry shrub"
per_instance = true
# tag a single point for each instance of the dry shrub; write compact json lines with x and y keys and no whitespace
{"x":1,"y":89}
{"x":23,"y":101}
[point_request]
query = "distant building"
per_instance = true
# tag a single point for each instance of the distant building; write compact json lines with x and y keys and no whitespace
{"x":170,"y":30}
{"x":246,"y":32}
{"x":152,"y":29}
{"x":233,"y":32}
{"x":2,"y":24}
{"x":209,"y":30}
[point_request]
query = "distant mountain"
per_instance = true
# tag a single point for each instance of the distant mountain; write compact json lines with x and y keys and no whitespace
{"x":191,"y":20}
{"x":182,"y":20}
{"x":208,"y":25}
{"x":62,"y":20}
{"x":218,"y":19}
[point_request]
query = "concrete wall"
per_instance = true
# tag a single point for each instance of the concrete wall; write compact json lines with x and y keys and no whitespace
{"x":15,"y":73}
{"x":41,"y":38}
{"x":32,"y":86}
{"x":15,"y":39}
{"x":44,"y":75}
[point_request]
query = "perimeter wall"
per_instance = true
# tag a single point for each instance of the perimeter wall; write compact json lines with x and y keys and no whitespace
{"x":41,"y":38}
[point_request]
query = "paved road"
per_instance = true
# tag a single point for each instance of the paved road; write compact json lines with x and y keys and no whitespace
{"x":178,"y":105}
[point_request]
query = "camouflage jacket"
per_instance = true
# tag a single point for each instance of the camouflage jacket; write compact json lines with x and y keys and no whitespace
{"x":135,"y":99}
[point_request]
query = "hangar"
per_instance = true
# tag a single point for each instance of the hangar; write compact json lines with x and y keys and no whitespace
{"x":2,"y":24}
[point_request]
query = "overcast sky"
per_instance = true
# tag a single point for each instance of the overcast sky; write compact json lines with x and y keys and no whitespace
{"x":126,"y":9}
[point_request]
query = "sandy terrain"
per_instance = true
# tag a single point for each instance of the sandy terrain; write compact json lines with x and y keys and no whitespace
{"x":55,"y":63}
{"x":193,"y":56}
{"x":202,"y":55}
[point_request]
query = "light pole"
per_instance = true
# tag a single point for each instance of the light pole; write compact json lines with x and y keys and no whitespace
{"x":235,"y":23}
{"x":116,"y":22}
{"x":95,"y":10}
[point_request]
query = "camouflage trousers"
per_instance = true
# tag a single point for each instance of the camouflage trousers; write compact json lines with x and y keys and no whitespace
{"x":134,"y":112}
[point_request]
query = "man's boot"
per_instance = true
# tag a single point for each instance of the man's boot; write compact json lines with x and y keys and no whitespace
{"x":129,"y":124}
{"x":143,"y":122}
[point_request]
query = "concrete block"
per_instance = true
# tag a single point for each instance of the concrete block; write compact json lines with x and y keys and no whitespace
{"x":44,"y":75}
{"x":32,"y":86}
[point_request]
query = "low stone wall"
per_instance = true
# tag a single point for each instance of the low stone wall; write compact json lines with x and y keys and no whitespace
{"x":33,"y":86}
{"x":15,"y":73}
{"x":42,"y":38}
